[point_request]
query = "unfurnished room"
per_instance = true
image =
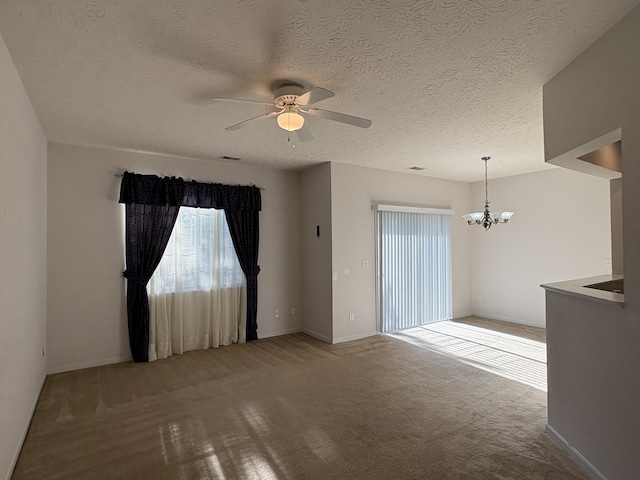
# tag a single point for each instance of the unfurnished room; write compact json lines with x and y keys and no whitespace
{"x":320,"y":240}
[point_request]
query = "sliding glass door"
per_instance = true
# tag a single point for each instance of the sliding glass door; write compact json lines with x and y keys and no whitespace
{"x":414,"y":269}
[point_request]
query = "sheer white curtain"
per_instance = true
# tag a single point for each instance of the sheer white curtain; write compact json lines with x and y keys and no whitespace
{"x":197,"y":293}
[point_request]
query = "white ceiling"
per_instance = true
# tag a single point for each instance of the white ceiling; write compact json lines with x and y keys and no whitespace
{"x":445,"y":82}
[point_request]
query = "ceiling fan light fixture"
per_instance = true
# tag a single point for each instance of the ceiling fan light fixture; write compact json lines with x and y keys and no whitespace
{"x":290,"y":120}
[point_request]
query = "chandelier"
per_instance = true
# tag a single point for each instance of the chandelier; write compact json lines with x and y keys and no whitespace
{"x":487,"y":218}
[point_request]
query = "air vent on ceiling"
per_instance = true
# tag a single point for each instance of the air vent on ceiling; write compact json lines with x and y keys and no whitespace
{"x":416,"y":168}
{"x":227,"y":157}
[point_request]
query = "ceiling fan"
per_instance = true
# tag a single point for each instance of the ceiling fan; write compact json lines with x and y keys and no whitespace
{"x":291,"y":103}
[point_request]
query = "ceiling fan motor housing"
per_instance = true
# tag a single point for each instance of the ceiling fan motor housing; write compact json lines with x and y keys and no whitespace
{"x":286,"y":95}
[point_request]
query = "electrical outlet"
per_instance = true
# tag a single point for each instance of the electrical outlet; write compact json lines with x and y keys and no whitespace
{"x":293,"y":310}
{"x":276,"y":313}
{"x":364,"y":263}
{"x":352,"y":317}
{"x":478,"y":298}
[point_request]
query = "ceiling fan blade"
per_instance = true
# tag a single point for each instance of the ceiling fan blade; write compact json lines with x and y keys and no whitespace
{"x":340,"y":117}
{"x":191,"y":46}
{"x":304,"y":134}
{"x":229,"y":99}
{"x":314,"y":95}
{"x":241,"y":124}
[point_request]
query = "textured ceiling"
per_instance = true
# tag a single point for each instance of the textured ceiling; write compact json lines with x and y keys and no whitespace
{"x":444,"y":81}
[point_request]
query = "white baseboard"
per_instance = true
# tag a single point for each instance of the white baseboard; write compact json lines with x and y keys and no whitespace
{"x":507,"y":319}
{"x":354,"y":337}
{"x":574,"y":454}
{"x":317,"y":335}
{"x":280,"y":332}
{"x":96,"y":363}
{"x":25,"y":430}
{"x":462,"y":315}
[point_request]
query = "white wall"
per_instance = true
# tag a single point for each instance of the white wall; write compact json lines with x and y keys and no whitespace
{"x":315,"y":198}
{"x":598,"y":93}
{"x":560,"y":231}
{"x":23,"y":167}
{"x":617,"y":247}
{"x":353,"y":189}
{"x":86,"y":302}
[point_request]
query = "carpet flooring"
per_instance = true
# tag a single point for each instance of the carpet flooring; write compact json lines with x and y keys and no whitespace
{"x":505,"y":354}
{"x":292,"y":407}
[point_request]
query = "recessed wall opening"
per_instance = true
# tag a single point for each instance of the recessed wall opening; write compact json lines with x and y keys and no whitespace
{"x":608,"y":156}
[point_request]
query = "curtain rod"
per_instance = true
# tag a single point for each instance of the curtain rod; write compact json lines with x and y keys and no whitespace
{"x":120,"y":175}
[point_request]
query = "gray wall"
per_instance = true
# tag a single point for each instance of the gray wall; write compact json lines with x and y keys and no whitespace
{"x":504,"y":266}
{"x":353,"y":189}
{"x":23,"y":286}
{"x":317,"y":300}
{"x":560,"y":231}
{"x":86,"y":307}
{"x":594,"y":95}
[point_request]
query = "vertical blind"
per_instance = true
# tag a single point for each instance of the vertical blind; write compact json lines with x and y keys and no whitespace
{"x":414,"y":268}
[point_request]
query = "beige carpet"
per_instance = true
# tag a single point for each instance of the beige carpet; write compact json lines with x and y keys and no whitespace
{"x":292,"y":407}
{"x":506,"y":354}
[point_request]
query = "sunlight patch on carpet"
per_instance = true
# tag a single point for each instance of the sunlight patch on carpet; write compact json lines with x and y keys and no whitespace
{"x":509,"y":356}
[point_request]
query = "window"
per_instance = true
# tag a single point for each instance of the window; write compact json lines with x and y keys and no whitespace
{"x":199,"y":256}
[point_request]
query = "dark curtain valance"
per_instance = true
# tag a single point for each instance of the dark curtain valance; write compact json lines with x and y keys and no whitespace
{"x":137,"y":189}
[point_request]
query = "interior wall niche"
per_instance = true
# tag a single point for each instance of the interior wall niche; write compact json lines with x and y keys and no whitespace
{"x":601,"y":157}
{"x":608,"y":156}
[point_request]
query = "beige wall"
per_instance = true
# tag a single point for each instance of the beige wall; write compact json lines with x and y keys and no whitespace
{"x":23,"y":287}
{"x":86,"y":307}
{"x":598,"y":93}
{"x":353,"y":189}
{"x":560,"y":231}
{"x":317,"y":300}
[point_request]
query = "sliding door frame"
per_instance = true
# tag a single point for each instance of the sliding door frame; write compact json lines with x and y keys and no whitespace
{"x":380,"y":207}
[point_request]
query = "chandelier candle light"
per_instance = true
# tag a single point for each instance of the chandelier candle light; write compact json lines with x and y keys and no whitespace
{"x":486,"y":218}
